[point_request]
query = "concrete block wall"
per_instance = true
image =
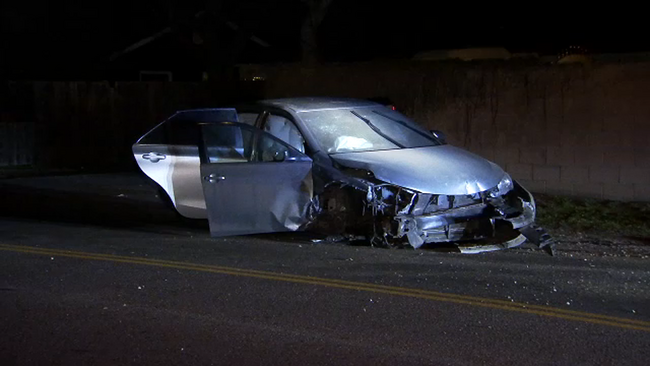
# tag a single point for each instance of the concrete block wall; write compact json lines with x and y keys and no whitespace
{"x":571,"y":130}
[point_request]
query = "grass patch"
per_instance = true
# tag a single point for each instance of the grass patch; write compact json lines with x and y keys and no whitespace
{"x":621,"y":218}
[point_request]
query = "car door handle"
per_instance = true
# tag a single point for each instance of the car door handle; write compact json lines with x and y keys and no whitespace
{"x":154,"y":157}
{"x":213,"y":178}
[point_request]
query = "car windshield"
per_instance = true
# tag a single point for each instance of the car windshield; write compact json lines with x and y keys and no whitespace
{"x":365,"y":129}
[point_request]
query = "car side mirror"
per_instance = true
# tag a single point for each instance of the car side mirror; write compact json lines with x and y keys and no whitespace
{"x":280,"y":156}
{"x":439,"y":135}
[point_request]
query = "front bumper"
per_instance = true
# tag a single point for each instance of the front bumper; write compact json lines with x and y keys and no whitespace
{"x":486,"y":226}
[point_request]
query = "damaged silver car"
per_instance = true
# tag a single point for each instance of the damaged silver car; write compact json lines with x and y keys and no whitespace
{"x":335,"y":166}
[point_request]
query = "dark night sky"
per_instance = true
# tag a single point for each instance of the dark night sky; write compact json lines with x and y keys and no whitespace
{"x":75,"y":35}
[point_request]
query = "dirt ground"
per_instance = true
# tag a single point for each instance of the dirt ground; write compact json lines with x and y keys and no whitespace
{"x":596,"y":227}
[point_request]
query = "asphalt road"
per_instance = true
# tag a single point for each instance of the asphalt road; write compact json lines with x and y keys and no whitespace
{"x":94,"y":270}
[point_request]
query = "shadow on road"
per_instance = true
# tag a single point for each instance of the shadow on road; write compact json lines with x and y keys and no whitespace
{"x":83,"y":201}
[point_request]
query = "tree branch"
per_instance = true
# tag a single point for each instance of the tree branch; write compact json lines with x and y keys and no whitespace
{"x":316,"y":12}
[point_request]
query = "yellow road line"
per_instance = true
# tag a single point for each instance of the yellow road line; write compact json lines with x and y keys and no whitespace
{"x":350,"y":285}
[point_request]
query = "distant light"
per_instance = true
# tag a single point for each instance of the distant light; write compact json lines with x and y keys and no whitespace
{"x":393,"y":107}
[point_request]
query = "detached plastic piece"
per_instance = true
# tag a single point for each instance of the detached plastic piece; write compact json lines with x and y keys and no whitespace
{"x":540,"y":237}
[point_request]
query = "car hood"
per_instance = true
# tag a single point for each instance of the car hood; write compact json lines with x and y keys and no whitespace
{"x":441,"y":169}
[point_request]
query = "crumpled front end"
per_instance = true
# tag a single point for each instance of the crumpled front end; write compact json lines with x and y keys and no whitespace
{"x":498,"y":218}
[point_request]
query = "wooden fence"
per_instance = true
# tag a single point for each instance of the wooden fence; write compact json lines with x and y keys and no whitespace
{"x":16,"y":144}
{"x":92,"y":125}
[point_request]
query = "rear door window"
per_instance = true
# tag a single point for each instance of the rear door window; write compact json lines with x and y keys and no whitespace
{"x":182,"y":128}
{"x":227,"y":143}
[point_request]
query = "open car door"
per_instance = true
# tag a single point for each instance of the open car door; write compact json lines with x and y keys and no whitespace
{"x":252,"y":181}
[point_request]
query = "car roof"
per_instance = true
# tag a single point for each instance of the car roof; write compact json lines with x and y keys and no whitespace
{"x":306,"y":104}
{"x":206,"y":115}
